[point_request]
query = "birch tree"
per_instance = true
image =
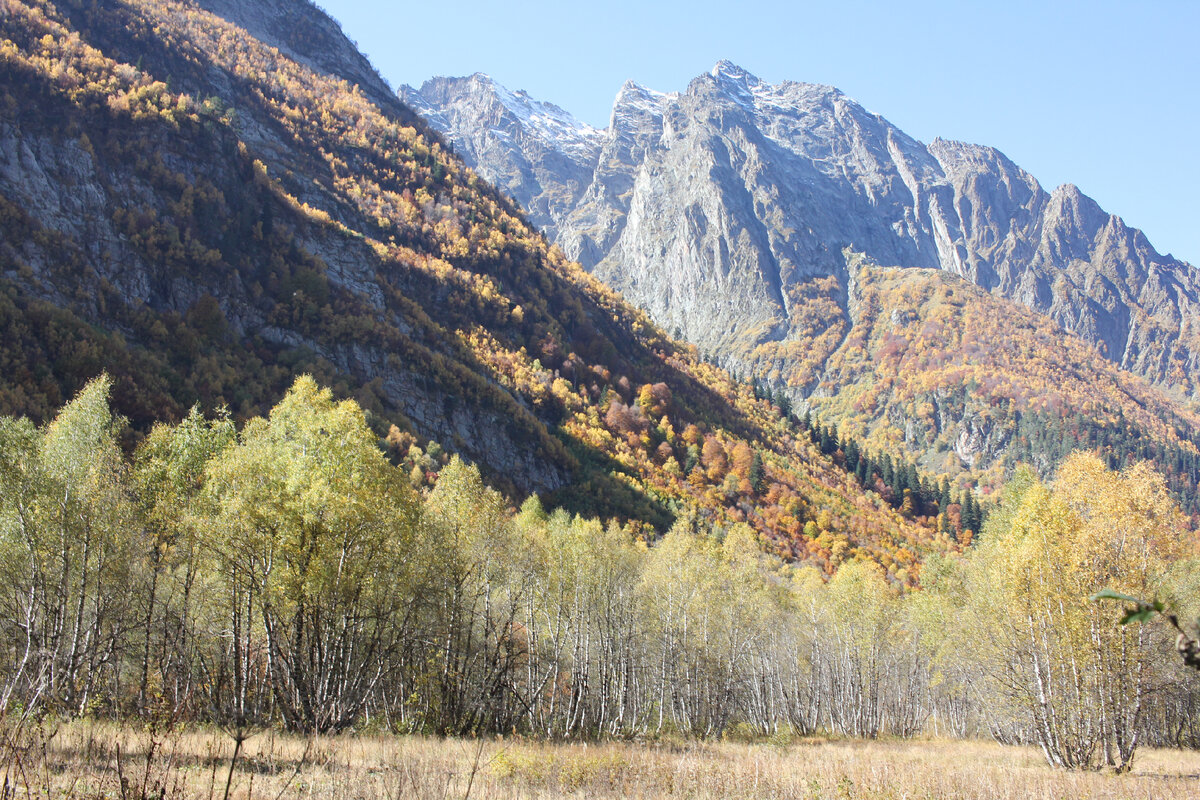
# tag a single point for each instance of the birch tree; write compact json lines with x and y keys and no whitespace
{"x":1079,"y":681}
{"x":67,"y":520}
{"x":313,"y":529}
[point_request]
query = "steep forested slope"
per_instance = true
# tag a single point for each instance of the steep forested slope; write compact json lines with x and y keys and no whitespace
{"x":935,"y":367}
{"x":204,"y":215}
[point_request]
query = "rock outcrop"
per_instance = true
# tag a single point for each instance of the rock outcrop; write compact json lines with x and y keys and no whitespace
{"x":725,"y":210}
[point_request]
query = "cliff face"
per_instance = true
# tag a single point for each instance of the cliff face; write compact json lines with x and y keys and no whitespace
{"x":726,"y":211}
{"x":535,"y":151}
{"x":209,"y":225}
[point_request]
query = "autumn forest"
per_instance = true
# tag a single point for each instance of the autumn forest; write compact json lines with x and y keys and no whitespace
{"x":284,"y":571}
{"x":310,"y":441}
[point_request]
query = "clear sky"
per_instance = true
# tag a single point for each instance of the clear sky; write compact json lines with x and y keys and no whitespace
{"x":1101,"y":94}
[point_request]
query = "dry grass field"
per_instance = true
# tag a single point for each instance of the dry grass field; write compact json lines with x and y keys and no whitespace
{"x":93,"y":760}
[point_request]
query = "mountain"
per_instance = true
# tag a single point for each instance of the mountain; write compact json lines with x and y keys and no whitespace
{"x":536,"y":151}
{"x":733,"y":212}
{"x":970,"y":378}
{"x":207,"y":199}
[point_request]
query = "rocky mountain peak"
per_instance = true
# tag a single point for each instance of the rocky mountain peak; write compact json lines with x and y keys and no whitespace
{"x":733,"y":78}
{"x":968,"y":157}
{"x":796,"y":97}
{"x":726,"y":212}
{"x":479,"y":103}
{"x":636,"y":106}
{"x":727,"y":69}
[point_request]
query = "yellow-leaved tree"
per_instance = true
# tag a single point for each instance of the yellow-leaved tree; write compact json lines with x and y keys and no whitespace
{"x":475,"y":575}
{"x":1078,"y":682}
{"x":184,"y":609}
{"x":314,"y":529}
{"x":68,"y":562}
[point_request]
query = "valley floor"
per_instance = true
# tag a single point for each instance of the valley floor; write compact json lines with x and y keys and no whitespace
{"x":90,"y":760}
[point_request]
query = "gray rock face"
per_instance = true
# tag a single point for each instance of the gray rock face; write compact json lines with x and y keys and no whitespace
{"x":539,"y":153}
{"x":77,"y":198}
{"x":726,"y":212}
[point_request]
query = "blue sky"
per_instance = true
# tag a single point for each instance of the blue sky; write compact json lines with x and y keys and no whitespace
{"x":1102,"y":94}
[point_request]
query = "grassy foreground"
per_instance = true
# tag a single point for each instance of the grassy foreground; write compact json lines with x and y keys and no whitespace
{"x":94,"y":760}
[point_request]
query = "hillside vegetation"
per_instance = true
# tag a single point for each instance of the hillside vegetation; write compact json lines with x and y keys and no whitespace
{"x":934,"y":368}
{"x":204,"y":216}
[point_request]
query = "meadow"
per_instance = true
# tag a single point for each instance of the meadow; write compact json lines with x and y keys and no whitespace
{"x":101,"y":760}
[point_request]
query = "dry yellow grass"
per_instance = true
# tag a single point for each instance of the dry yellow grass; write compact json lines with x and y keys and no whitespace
{"x":81,"y":760}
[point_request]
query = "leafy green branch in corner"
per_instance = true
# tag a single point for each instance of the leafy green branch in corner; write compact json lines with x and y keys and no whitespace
{"x":1143,"y":611}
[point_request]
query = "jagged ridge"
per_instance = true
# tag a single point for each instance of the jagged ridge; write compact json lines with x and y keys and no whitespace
{"x":727,"y":211}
